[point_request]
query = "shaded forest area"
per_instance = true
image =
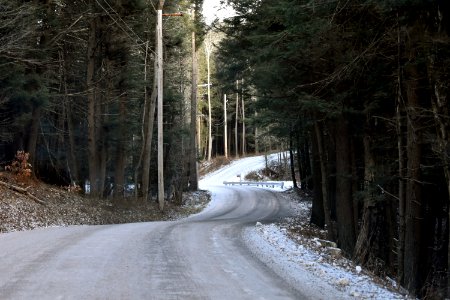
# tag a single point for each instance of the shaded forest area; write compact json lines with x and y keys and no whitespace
{"x":359,"y":90}
{"x":78,"y":91}
{"x":356,"y":90}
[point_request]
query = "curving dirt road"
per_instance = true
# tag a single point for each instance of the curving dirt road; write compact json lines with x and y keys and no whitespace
{"x":202,"y":257}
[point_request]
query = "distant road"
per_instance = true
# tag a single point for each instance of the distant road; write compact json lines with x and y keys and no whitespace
{"x":202,"y":257}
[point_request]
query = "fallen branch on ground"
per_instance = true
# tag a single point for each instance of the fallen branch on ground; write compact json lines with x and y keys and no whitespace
{"x":22,"y":191}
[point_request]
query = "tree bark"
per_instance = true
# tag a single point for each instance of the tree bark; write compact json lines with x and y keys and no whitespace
{"x":225,"y":126}
{"x":291,"y":157}
{"x":324,"y":180}
{"x":193,"y":170}
{"x":74,"y":175}
{"x":440,"y":108}
{"x":92,"y":137}
{"x":236,"y":139}
{"x":149,"y":137}
{"x":414,"y":205}
{"x":317,"y":210}
{"x":72,"y":162}
{"x":401,"y":166}
{"x":308,"y":172}
{"x":208,"y":46}
{"x":34,"y":134}
{"x":344,"y":202}
{"x":148,"y":116}
{"x":362,"y":247}
{"x":300,"y":163}
{"x":256,"y":134}
{"x":120,"y":155}
{"x":243,"y":119}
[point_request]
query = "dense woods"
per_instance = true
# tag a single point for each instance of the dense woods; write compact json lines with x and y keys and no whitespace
{"x":78,"y":91}
{"x":356,"y":90}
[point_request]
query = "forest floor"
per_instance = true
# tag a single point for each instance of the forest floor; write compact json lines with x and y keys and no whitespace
{"x":61,"y":207}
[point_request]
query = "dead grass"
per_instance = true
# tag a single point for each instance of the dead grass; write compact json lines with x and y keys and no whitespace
{"x":62,"y":208}
{"x":213,"y":165}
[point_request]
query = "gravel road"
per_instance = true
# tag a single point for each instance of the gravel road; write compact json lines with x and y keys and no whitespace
{"x":201,"y":257}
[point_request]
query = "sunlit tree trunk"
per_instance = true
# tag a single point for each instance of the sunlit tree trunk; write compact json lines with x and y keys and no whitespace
{"x":225,"y":125}
{"x":243,"y":128}
{"x":208,"y":49}
{"x":193,"y":171}
{"x":236,"y":139}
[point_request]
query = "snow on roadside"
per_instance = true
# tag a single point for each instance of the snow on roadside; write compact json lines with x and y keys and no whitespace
{"x":230,"y":172}
{"x":303,"y":262}
{"x":333,"y":276}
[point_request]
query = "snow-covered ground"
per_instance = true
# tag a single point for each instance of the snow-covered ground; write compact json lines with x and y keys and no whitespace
{"x":291,"y":260}
{"x":302,"y":265}
{"x":237,"y":171}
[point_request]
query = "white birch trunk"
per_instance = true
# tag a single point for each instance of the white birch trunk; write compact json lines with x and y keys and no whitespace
{"x":225,"y":124}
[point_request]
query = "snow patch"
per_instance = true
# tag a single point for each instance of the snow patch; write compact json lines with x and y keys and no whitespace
{"x":303,"y":266}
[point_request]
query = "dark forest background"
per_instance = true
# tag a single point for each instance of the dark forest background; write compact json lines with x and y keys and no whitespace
{"x":356,"y":90}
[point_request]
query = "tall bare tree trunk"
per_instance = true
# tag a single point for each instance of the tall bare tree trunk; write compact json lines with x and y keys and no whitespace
{"x":344,"y":202}
{"x":73,"y":162}
{"x":208,"y":49}
{"x":291,"y":158}
{"x":440,"y":107}
{"x":193,"y":170}
{"x":438,"y":79}
{"x":243,"y":122}
{"x":362,"y":247}
{"x":301,"y":165}
{"x":91,"y":95}
{"x":121,"y":155}
{"x":151,"y":106}
{"x":324,"y":182}
{"x":256,"y":140}
{"x":401,"y":165}
{"x":34,"y":134}
{"x":37,"y":109}
{"x":148,"y":118}
{"x":236,"y":140}
{"x":414,"y":206}
{"x":317,"y":210}
{"x":225,"y":125}
{"x":102,"y":163}
{"x":101,"y":111}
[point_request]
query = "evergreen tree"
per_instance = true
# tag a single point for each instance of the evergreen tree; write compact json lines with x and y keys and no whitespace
{"x":339,"y":73}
